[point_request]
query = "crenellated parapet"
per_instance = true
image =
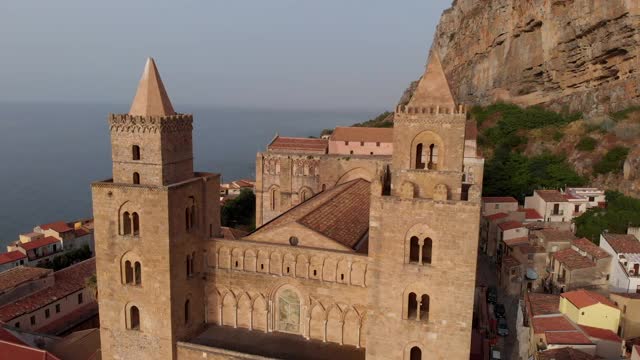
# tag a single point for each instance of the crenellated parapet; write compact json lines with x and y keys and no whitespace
{"x":150,"y":124}
{"x":430,"y":110}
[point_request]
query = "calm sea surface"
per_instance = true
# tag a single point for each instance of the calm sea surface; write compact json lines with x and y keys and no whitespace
{"x":50,"y":153}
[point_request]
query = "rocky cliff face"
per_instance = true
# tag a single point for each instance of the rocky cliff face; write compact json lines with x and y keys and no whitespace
{"x":578,"y":55}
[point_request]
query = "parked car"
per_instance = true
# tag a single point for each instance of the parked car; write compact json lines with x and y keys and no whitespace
{"x":499,"y":310}
{"x":492,"y":295}
{"x":503,"y":329}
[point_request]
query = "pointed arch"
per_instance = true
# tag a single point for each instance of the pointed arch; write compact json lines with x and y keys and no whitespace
{"x":244,"y":311}
{"x":259,"y":314}
{"x":351,"y":328}
{"x":229,"y":306}
{"x":317,"y":318}
{"x":334,"y":324}
{"x":427,"y":151}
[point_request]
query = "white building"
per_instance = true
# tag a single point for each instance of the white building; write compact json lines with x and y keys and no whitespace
{"x":557,"y":206}
{"x":625,"y":265}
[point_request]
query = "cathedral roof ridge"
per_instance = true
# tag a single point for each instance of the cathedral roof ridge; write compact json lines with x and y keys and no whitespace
{"x":151,"y":97}
{"x":433,"y":88}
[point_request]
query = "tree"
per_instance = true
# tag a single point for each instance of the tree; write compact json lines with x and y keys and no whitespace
{"x":241,"y":211}
{"x":621,"y":212}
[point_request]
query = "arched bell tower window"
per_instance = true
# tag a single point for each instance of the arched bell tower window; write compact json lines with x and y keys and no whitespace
{"x":412,"y":306}
{"x":137,"y":270}
{"x":134,"y":318}
{"x":433,"y":157}
{"x":415,"y":353}
{"x":128,"y":272}
{"x":424,"y":307}
{"x":126,"y":223}
{"x":419,"y":160}
{"x":414,"y":249}
{"x":426,"y":251}
{"x":135,"y":150}
{"x":136,"y":178}
{"x":187,"y":310}
{"x":136,"y":224}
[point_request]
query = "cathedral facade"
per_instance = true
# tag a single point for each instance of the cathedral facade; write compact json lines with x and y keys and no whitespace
{"x":358,"y":255}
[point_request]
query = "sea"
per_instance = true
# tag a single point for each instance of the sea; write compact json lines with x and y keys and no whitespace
{"x":50,"y":153}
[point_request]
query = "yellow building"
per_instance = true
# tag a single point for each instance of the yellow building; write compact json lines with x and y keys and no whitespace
{"x":629,"y":305}
{"x":591,"y":309}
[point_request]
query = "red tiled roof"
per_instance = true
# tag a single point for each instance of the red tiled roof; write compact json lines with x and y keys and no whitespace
{"x":598,"y":333}
{"x":623,"y":243}
{"x":67,"y":281}
{"x":551,"y":323}
{"x":510,"y":225}
{"x":58,"y":226}
{"x":11,"y":351}
{"x":6,"y":335}
{"x":565,"y":353}
{"x":19,"y":275}
{"x":81,"y":232}
{"x":366,"y":134}
{"x":566,"y":338}
{"x":517,"y":241}
{"x":527,"y":248}
{"x":509,"y":262}
{"x":531,"y":214}
{"x":496,"y":216}
{"x":590,"y":248}
{"x":79,"y":315}
{"x":34,"y":244}
{"x":572,"y":259}
{"x":340,"y":213}
{"x":498,"y":199}
{"x":553,"y":235}
{"x":302,"y":144}
{"x":582,"y":298}
{"x":11,"y":257}
{"x":551,"y":195}
{"x":542,"y":304}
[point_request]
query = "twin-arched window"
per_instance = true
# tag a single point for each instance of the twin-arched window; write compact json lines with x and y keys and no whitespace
{"x":420,"y":251}
{"x":132,"y":274}
{"x":428,"y":160}
{"x":130,"y":223}
{"x":417,"y":307}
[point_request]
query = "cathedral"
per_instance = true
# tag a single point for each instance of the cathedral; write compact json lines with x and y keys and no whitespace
{"x":365,"y":248}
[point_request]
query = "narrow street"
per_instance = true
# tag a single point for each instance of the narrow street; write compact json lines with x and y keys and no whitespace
{"x":487,"y":275}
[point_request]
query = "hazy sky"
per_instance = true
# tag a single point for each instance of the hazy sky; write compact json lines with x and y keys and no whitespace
{"x":297,"y":54}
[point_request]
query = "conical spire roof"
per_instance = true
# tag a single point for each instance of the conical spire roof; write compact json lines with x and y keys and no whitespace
{"x":151,"y":97}
{"x":433,"y":88}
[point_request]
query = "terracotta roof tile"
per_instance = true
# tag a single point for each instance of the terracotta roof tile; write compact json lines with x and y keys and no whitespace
{"x":531,"y":214}
{"x":11,"y":257}
{"x":340,"y":213}
{"x":565,"y":353}
{"x":566,"y":338}
{"x":299,"y":144}
{"x":582,"y":298}
{"x":498,"y":199}
{"x":598,"y":333}
{"x":543,"y":304}
{"x":6,"y":335}
{"x":510,"y":225}
{"x":79,"y":315}
{"x":553,"y":235}
{"x":517,"y":241}
{"x":366,"y":134}
{"x":58,"y":226}
{"x":496,"y":216}
{"x":551,"y":195}
{"x":551,"y":323}
{"x":67,"y":281}
{"x":623,"y":243}
{"x":11,"y":351}
{"x":572,"y":259}
{"x":590,"y":248}
{"x":34,"y":244}
{"x":509,"y":262}
{"x":19,"y":275}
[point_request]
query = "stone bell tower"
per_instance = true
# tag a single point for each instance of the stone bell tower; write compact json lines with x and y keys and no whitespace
{"x":424,"y":233}
{"x":151,"y":223}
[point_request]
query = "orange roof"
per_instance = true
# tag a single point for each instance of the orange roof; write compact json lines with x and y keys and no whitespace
{"x":542,"y":304}
{"x":623,"y":243}
{"x":551,"y":195}
{"x":11,"y":256}
{"x":551,"y":323}
{"x":34,"y":244}
{"x":598,"y":333}
{"x":590,"y":248}
{"x":572,"y":259}
{"x":531,"y":214}
{"x":499,"y":199}
{"x":564,"y":353}
{"x":362,"y":134}
{"x":553,"y":235}
{"x":8,"y":336}
{"x":19,"y":275}
{"x":566,"y":338}
{"x":340,"y":213}
{"x":151,"y":97}
{"x":67,"y":281}
{"x":510,"y":225}
{"x":299,"y":144}
{"x":58,"y":226}
{"x":13,"y":351}
{"x":582,"y":298}
{"x":496,"y":216}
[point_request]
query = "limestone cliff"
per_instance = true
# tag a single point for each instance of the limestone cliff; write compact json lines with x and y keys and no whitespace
{"x":578,"y":55}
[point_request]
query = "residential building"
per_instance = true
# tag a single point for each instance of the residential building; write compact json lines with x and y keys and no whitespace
{"x":564,"y":353}
{"x":510,"y":275}
{"x":21,"y":281}
{"x":625,"y":264}
{"x":629,"y":306}
{"x":498,"y":204}
{"x":608,"y":344}
{"x":490,"y":231}
{"x":591,"y":309}
{"x":583,"y":265}
{"x":557,"y":206}
{"x":534,"y":259}
{"x":555,"y":331}
{"x":60,"y":300}
{"x":553,"y":239}
{"x":531,"y":216}
{"x":39,"y":250}
{"x":361,"y":141}
{"x":12,"y":259}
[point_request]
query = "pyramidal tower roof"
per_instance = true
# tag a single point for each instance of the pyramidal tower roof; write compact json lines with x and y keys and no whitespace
{"x":433,"y":88}
{"x":151,"y":97}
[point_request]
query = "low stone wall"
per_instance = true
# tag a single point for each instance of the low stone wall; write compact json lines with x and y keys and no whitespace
{"x":188,"y":351}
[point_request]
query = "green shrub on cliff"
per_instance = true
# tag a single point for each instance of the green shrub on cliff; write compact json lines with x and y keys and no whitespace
{"x":382,"y":121}
{"x":587,"y":143}
{"x":613,"y":161}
